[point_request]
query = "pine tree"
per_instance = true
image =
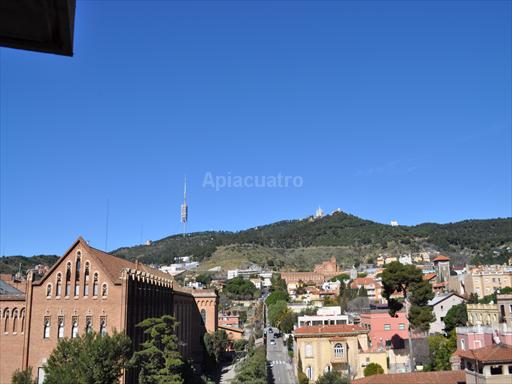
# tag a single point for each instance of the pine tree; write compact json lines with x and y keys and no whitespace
{"x":159,"y":360}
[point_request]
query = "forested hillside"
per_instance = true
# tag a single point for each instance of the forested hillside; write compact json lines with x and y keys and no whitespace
{"x":299,"y":244}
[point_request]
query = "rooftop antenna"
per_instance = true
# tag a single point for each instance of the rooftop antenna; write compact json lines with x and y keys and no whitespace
{"x":106,"y":225}
{"x":184,"y":208}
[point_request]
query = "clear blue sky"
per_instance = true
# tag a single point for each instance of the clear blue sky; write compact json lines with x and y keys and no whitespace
{"x":397,"y":110}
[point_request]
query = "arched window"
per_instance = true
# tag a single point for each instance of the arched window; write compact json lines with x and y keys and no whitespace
{"x":327,"y":368}
{"x":462,"y":344}
{"x":95,"y":284}
{"x":68,"y":279}
{"x":104,"y":290}
{"x":77,"y":265}
{"x":49,"y":290}
{"x":309,"y":372}
{"x":60,"y":333}
{"x":46,"y":332}
{"x":203,"y":315}
{"x":6,"y":320}
{"x":14,"y":321}
{"x":103,"y":326}
{"x":74,"y":327}
{"x":88,"y":324}
{"x":22,"y":317}
{"x":58,"y":290}
{"x":86,"y":279}
{"x":338,"y":350}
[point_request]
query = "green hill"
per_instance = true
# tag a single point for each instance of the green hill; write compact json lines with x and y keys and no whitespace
{"x":299,"y":244}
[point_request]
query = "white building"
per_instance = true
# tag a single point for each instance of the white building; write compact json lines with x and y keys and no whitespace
{"x":441,"y":304}
{"x":405,"y":259}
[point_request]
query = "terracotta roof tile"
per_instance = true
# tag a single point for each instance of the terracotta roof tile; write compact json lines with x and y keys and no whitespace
{"x":329,"y":329}
{"x":441,"y":258}
{"x":490,"y":354}
{"x":429,"y":276}
{"x":439,"y":377}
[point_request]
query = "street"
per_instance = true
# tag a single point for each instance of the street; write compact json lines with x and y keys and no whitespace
{"x":279,"y":361}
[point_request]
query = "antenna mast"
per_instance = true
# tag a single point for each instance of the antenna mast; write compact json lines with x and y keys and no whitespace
{"x":184,"y":208}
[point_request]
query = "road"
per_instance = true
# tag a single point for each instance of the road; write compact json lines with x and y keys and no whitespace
{"x":277,"y":357}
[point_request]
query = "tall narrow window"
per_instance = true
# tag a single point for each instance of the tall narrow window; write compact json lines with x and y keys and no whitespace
{"x":86,"y":280}
{"x":15,"y":321}
{"x":68,"y":279}
{"x":74,"y":327}
{"x":203,"y":315}
{"x":104,"y":290}
{"x":22,"y":320}
{"x":88,"y":324}
{"x":46,"y":331}
{"x":77,"y":273}
{"x":95,"y":285}
{"x":58,"y":290}
{"x":6,"y":320}
{"x":103,"y":326}
{"x":49,"y":290}
{"x":60,"y":333}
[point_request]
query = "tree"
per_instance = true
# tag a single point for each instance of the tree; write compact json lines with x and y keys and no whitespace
{"x":278,"y":284}
{"x":473,"y":298}
{"x":373,"y":369}
{"x":216,"y":343}
{"x":90,"y":358}
{"x":253,"y":370}
{"x":23,"y":376}
{"x":276,"y":296}
{"x":457,"y":316}
{"x":240,"y":289}
{"x":159,"y":360}
{"x":408,"y":280}
{"x":287,"y":322}
{"x":301,"y":376}
{"x":204,"y":278}
{"x":332,"y":377}
{"x":441,"y":349}
{"x":341,"y":277}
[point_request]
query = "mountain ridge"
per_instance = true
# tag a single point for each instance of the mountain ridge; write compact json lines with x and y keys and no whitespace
{"x":300,"y":243}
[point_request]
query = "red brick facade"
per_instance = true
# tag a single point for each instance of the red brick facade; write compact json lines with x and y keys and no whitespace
{"x":91,"y":290}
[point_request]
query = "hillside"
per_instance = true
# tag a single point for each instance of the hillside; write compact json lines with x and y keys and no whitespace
{"x":299,"y":244}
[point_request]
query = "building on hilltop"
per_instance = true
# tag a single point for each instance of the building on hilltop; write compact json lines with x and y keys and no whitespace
{"x":90,"y":290}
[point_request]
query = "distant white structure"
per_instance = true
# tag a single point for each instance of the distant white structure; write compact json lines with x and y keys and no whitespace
{"x":353,"y":273}
{"x":149,"y":242}
{"x":254,"y":270}
{"x":195,"y":285}
{"x":325,"y":316}
{"x":405,"y":259}
{"x":394,"y":223}
{"x":179,"y":267}
{"x":215,"y":269}
{"x":319,"y":213}
{"x":331,"y":285}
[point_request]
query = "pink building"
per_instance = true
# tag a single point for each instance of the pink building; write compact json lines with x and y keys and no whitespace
{"x":478,"y":336}
{"x":385,"y":331}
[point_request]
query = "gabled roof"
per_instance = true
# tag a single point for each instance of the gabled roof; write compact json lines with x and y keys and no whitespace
{"x":429,"y":276}
{"x":438,"y":377}
{"x":440,"y":298}
{"x":496,"y":353}
{"x":441,"y":258}
{"x":112,"y":265}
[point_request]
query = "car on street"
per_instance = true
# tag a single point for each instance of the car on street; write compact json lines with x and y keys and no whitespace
{"x":272,"y":342}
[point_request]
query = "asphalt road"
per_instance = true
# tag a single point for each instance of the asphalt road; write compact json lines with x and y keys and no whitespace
{"x":277,"y":357}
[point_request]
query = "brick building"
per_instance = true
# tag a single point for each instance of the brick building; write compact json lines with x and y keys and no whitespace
{"x":90,"y":290}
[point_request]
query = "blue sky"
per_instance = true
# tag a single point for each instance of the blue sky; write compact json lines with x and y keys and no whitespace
{"x":387,"y":110}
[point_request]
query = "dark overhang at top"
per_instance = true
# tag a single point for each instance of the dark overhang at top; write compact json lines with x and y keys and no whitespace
{"x":38,"y":25}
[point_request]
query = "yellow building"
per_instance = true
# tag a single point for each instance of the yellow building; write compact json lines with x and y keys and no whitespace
{"x":342,"y":347}
{"x":485,"y":280}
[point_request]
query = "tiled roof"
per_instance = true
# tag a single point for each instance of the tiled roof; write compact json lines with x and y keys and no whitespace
{"x":362,"y":281}
{"x":441,"y":258}
{"x":491,"y":354}
{"x":329,"y":329}
{"x":438,"y":377}
{"x":429,"y":276}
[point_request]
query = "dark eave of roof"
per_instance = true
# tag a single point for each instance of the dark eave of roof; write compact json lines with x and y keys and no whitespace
{"x":38,"y":25}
